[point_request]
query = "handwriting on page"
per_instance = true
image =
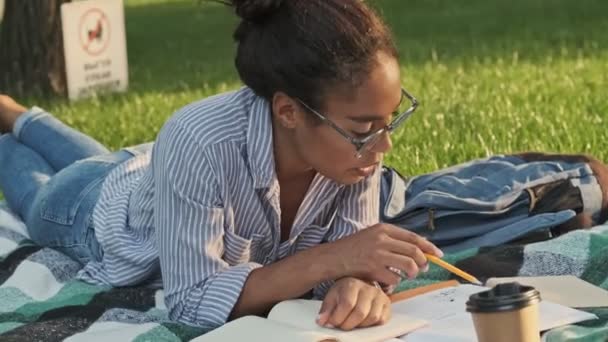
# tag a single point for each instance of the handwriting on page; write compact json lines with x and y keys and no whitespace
{"x":449,"y":321}
{"x":439,"y":304}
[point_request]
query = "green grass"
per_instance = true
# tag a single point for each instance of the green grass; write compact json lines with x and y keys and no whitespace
{"x":493,"y":76}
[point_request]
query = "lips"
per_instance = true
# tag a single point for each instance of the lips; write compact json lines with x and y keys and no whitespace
{"x":367,"y":170}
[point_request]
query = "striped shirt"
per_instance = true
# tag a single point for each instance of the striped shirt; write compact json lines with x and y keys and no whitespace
{"x":202,"y":209}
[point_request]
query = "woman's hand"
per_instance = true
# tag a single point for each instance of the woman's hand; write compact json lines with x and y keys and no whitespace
{"x":377,"y":252}
{"x":352,"y":303}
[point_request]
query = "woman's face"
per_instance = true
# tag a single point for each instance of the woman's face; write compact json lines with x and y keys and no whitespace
{"x":369,"y":108}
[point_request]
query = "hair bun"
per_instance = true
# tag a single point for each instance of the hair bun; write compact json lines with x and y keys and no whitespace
{"x":256,"y":10}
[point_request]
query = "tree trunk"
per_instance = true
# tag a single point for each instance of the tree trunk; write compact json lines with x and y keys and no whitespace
{"x":31,"y":48}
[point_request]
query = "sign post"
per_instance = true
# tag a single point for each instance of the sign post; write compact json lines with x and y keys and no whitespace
{"x":95,"y":47}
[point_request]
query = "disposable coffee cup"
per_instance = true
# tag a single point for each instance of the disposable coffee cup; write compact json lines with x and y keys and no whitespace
{"x":506,"y":313}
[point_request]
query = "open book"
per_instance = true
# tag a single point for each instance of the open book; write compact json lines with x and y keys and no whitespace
{"x":295,"y":321}
{"x":444,"y":309}
{"x":566,"y":290}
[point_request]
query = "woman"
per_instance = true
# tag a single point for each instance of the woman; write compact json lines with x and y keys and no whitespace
{"x":247,"y":198}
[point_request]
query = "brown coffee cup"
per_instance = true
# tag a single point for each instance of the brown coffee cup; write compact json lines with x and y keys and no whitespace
{"x":506,"y":313}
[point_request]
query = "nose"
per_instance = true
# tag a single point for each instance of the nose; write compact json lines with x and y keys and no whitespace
{"x":384,"y":144}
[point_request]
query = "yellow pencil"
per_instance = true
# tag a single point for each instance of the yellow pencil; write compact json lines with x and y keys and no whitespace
{"x":462,"y":274}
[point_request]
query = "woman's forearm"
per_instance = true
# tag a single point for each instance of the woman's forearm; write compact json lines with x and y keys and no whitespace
{"x":368,"y":254}
{"x":288,"y":278}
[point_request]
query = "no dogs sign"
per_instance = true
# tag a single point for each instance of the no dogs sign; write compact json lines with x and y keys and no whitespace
{"x":95,"y":47}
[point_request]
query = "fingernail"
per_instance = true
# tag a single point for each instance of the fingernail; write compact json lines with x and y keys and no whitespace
{"x":321,"y":316}
{"x":425,"y":268}
{"x":440,"y":253}
{"x":329,"y":326}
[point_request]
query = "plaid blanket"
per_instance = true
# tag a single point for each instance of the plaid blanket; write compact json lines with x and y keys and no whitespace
{"x":40,"y":301}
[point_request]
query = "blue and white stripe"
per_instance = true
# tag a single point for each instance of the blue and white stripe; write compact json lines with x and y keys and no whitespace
{"x":202,"y":209}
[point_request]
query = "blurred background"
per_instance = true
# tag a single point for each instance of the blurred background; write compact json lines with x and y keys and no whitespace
{"x":492,"y":76}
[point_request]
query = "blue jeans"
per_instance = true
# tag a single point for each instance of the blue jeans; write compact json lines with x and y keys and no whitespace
{"x":51,"y":176}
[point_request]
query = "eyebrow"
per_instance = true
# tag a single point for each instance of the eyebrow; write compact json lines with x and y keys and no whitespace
{"x":373,"y":117}
{"x":366,"y":118}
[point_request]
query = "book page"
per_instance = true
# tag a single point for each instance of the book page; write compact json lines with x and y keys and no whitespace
{"x":302,"y":314}
{"x":439,"y":304}
{"x":566,"y":290}
{"x":253,"y":328}
{"x":445,"y":309}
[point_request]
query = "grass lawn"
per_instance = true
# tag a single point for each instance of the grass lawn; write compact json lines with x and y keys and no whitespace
{"x":493,"y":76}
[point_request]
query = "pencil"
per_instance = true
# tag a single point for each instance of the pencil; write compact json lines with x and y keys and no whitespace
{"x":462,"y":274}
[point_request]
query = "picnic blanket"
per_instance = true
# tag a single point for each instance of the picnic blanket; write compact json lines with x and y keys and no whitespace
{"x":40,"y":300}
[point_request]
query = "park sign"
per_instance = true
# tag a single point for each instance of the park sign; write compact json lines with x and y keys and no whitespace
{"x":95,"y":47}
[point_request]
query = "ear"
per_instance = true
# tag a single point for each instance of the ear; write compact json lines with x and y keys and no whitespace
{"x":284,"y":109}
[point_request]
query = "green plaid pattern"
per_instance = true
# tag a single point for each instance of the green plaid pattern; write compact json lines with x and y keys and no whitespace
{"x":40,"y":301}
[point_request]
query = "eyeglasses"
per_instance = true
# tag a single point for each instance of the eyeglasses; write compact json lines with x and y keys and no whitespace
{"x":365,"y":144}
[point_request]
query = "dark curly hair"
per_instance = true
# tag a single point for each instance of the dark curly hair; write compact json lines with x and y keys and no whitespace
{"x":305,"y":47}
